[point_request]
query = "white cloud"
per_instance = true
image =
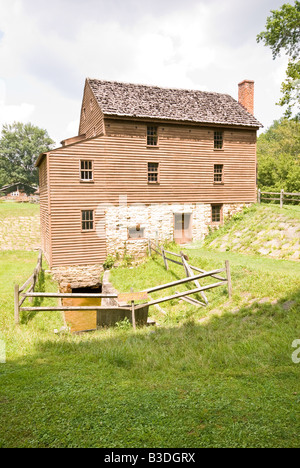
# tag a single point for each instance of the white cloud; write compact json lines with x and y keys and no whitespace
{"x":12,"y":113}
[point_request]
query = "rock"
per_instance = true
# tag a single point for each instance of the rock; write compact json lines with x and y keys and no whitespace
{"x":264,"y":251}
{"x":288,"y":305}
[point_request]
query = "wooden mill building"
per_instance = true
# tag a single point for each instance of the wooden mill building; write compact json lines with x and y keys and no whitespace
{"x":147,"y":162}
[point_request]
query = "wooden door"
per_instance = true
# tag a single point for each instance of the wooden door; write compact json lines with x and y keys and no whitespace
{"x":182,"y":228}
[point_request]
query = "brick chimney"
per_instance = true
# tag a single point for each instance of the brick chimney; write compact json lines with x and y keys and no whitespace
{"x":246,"y":95}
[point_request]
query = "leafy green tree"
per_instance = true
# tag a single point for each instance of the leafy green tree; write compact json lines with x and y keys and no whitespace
{"x":283,"y":34}
{"x":20,"y":145}
{"x":278,"y":154}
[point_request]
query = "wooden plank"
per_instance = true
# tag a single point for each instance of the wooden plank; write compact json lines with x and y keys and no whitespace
{"x":16,"y":301}
{"x":177,"y":255}
{"x":191,"y":300}
{"x":204,"y":271}
{"x":67,"y":308}
{"x":127,"y":298}
{"x":149,"y":247}
{"x":174,"y":261}
{"x":182,"y":281}
{"x":164,"y":258}
{"x":173,"y":253}
{"x":270,"y":199}
{"x":281,"y":198}
{"x":159,"y":253}
{"x":185,"y":293}
{"x":133,"y":315}
{"x":270,"y":193}
{"x":190,"y":273}
{"x":27,"y":283}
{"x":70,"y":295}
{"x":228,"y":275}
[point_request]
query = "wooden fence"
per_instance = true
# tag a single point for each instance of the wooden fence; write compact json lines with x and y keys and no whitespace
{"x":29,"y":285}
{"x":131,"y":299}
{"x":281,"y":196}
{"x":189,"y":269}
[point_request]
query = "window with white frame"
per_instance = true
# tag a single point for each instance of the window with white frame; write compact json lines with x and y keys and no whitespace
{"x":86,"y":170}
{"x":87,"y":220}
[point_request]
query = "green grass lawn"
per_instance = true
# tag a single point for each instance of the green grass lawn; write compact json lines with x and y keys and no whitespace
{"x":229,"y":382}
{"x":14,"y":210}
{"x":226,"y":382}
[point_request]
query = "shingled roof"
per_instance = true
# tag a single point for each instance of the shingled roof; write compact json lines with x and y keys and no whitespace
{"x":133,"y":100}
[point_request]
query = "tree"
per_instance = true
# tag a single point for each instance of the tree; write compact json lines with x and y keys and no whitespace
{"x":20,"y":146}
{"x":278,"y":151}
{"x":283,"y":34}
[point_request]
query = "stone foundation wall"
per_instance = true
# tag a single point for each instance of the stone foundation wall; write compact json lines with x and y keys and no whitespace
{"x":78,"y":276}
{"x":157,"y":221}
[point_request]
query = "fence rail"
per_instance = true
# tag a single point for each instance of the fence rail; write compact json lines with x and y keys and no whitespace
{"x":283,"y":197}
{"x":29,"y":285}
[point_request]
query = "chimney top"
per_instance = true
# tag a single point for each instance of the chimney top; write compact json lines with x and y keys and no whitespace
{"x":246,"y":95}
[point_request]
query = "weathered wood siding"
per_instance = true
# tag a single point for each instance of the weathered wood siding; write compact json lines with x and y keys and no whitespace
{"x":44,"y":209}
{"x":91,"y":117}
{"x":186,"y":156}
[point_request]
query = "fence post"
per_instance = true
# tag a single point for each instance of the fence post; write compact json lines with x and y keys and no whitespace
{"x":189,"y":273}
{"x":228,"y":276}
{"x":17,"y":308}
{"x":259,"y":196}
{"x":133,"y":313}
{"x":164,"y":258}
{"x":149,"y":246}
{"x":281,"y":198}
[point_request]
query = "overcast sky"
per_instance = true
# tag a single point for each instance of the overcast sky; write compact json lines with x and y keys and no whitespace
{"x":49,"y":47}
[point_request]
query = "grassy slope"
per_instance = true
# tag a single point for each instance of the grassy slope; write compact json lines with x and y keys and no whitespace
{"x":229,"y":382}
{"x":265,"y":230}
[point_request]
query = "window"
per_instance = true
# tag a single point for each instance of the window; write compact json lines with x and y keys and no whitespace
{"x":86,"y":170}
{"x":216,"y":213}
{"x":153,"y":173}
{"x":84,"y":113}
{"x":218,"y":140}
{"x":152,"y":136}
{"x":218,"y":173}
{"x":87,"y":220}
{"x":91,"y":104}
{"x":136,"y":232}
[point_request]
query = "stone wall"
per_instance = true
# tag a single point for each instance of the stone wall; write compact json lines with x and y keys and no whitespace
{"x":78,"y":276}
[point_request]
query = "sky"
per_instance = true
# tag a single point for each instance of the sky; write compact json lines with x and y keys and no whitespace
{"x":48,"y":48}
